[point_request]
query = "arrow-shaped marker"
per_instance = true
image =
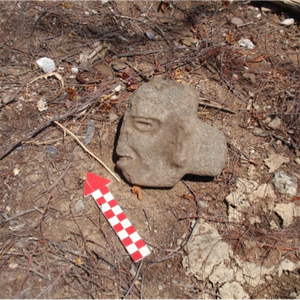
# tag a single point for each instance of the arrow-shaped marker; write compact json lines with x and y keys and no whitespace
{"x":97,"y":187}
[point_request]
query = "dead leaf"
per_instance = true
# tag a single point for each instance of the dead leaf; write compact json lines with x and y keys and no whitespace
{"x":189,"y":197}
{"x":137,"y":191}
{"x":132,"y":88}
{"x":225,"y":3}
{"x":259,"y":58}
{"x":229,"y":37}
{"x":71,"y":93}
{"x":80,"y":79}
{"x":177,"y":73}
{"x":192,"y":29}
{"x":163,"y":6}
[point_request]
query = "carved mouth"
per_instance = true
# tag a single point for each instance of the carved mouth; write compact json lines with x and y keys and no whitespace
{"x":123,"y":159}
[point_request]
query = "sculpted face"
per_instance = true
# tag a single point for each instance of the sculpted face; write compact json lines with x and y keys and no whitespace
{"x":162,"y":139}
{"x":145,"y":144}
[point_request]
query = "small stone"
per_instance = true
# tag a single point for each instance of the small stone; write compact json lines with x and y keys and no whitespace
{"x":74,"y":70}
{"x":79,"y":206}
{"x":237,"y":21}
{"x":287,"y":22}
{"x":250,"y":76}
{"x":286,"y":212}
{"x":246,"y":43}
{"x":285,"y":184}
{"x":287,"y":265}
{"x":265,"y":191}
{"x":83,"y":58}
{"x":113,"y":117}
{"x":233,"y":290}
{"x":16,"y":171}
{"x":42,"y":105}
{"x":51,"y":150}
{"x":275,"y":123}
{"x":119,"y":64}
{"x":273,"y":225}
{"x":46,"y":64}
{"x":274,"y":161}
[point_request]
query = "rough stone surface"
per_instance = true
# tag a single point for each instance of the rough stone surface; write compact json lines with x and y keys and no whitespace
{"x":286,"y":212}
{"x":274,"y":161}
{"x":285,"y":184}
{"x":287,"y":265}
{"x":233,"y":290}
{"x":162,"y":139}
{"x":247,"y":192}
{"x":205,"y":252}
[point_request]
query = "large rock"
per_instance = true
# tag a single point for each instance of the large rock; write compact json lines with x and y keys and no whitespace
{"x":162,"y":139}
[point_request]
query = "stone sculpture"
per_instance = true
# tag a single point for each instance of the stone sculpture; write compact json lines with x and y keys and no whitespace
{"x":162,"y":139}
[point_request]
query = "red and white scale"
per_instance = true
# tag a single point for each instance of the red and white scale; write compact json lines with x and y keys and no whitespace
{"x":97,"y":187}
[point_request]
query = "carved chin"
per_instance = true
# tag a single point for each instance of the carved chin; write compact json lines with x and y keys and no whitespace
{"x":143,"y":175}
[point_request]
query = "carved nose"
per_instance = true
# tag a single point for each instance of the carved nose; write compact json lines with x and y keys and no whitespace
{"x":122,"y":146}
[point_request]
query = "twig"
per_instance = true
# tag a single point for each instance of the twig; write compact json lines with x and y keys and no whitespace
{"x":213,"y":104}
{"x":34,"y":250}
{"x":46,"y":76}
{"x":88,"y":151}
{"x":43,"y":126}
{"x":241,"y":152}
{"x":134,"y":280}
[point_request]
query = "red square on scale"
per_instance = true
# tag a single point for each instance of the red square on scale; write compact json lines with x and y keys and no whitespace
{"x":140,"y":244}
{"x":130,"y":230}
{"x":136,"y":256}
{"x":109,"y":214}
{"x":121,"y":216}
{"x":118,"y":227}
{"x":127,"y":241}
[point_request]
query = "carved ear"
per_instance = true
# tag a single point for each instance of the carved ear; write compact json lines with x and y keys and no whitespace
{"x":181,"y":145}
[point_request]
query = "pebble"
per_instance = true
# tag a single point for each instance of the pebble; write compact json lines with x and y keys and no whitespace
{"x":46,"y":64}
{"x":285,"y":184}
{"x":79,"y":206}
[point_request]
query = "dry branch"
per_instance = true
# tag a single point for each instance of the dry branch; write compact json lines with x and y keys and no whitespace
{"x":88,"y":151}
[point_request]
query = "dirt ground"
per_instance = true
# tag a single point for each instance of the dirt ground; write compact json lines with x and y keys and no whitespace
{"x":55,"y":243}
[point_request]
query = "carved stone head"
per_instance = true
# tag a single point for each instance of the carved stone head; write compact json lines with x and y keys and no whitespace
{"x":162,"y":139}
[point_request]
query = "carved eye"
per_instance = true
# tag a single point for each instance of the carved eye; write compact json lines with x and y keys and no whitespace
{"x":144,"y":125}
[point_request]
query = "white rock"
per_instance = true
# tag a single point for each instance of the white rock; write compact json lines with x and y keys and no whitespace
{"x":221,"y":274}
{"x":287,"y":265}
{"x":74,"y":70}
{"x":79,"y":206}
{"x":46,"y":64}
{"x":246,"y":43}
{"x":265,"y":191}
{"x":288,"y":22}
{"x":42,"y":105}
{"x":285,"y":184}
{"x":253,"y":274}
{"x":286,"y":212}
{"x":233,"y":290}
{"x":205,"y":252}
{"x":274,"y":161}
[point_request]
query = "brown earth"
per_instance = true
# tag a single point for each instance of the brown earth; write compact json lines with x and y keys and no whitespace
{"x":52,"y":249}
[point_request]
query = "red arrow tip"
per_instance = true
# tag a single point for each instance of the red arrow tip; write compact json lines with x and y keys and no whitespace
{"x":93,"y":183}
